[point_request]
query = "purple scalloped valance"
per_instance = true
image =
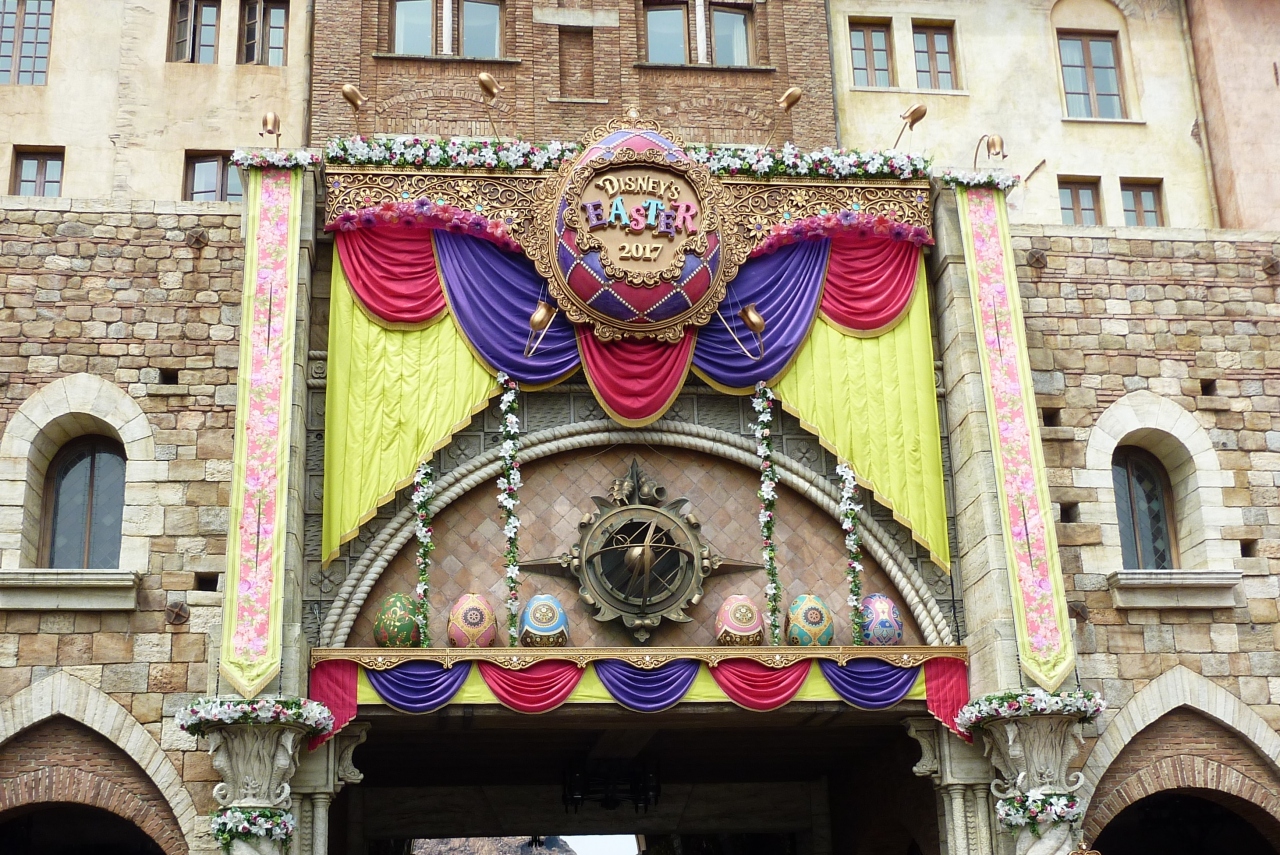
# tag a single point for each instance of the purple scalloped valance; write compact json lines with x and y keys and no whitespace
{"x":420,"y":686}
{"x":647,"y":690}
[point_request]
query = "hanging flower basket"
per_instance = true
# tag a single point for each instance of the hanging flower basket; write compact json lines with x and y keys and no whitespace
{"x":1083,"y":705}
{"x":204,"y":713}
{"x":1034,"y":808}
{"x":252,"y":825}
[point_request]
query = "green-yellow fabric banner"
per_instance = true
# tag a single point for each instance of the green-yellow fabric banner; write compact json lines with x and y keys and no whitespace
{"x":872,"y":402}
{"x":394,"y":397}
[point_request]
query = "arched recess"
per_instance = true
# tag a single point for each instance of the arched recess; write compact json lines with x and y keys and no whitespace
{"x":1178,"y":687}
{"x":397,"y":533}
{"x":61,"y":694}
{"x":55,"y":414}
{"x":1183,"y":446}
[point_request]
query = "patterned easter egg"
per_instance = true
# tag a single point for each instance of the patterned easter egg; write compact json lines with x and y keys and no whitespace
{"x":544,"y":623}
{"x":809,"y":622}
{"x":738,"y":622}
{"x":394,"y":625}
{"x":472,"y":623}
{"x":881,"y":621}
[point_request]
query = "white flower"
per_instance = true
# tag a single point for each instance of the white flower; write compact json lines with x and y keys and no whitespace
{"x":770,"y":589}
{"x":513,"y":571}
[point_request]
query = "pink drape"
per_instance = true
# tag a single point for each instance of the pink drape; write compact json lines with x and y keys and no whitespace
{"x":750,"y":684}
{"x":393,"y":273}
{"x":541,"y":687}
{"x":869,"y":282}
{"x":946,"y":687}
{"x":635,"y":379}
{"x":333,"y":683}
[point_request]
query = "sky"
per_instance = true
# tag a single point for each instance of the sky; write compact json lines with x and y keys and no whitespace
{"x":598,"y":844}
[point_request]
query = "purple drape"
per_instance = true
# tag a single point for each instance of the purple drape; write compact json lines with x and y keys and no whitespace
{"x":785,"y":286}
{"x":417,"y":686}
{"x":492,"y":294}
{"x":869,"y":683}
{"x":647,"y":690}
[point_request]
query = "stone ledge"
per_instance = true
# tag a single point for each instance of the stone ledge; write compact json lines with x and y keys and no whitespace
{"x":88,"y":590}
{"x":1173,"y":589}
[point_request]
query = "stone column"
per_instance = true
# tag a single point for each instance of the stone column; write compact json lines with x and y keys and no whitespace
{"x":323,"y":773}
{"x":256,"y":762}
{"x":961,"y":776}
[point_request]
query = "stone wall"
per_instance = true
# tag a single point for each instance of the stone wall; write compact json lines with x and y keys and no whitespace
{"x":549,"y":95}
{"x":142,"y":298}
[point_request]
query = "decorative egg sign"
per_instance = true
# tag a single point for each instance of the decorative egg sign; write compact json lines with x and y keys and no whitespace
{"x":809,"y":622}
{"x":739,"y":623}
{"x":544,"y":623}
{"x":472,"y":623}
{"x":394,"y":625}
{"x":635,"y":237}
{"x":881,"y":621}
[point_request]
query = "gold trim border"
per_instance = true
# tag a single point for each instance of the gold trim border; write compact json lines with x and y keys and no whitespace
{"x":520,"y":658}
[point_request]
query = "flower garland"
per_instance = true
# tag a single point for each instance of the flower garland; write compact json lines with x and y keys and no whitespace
{"x":424,"y":213}
{"x":1084,"y":705}
{"x":424,"y":489}
{"x":455,"y":153}
{"x":762,"y":401}
{"x":281,"y":158}
{"x":789,"y":161}
{"x":509,"y":484}
{"x":202,"y":713}
{"x":251,"y":824}
{"x":994,"y":178}
{"x":849,"y":509}
{"x":829,"y":225}
{"x":1035,"y":807}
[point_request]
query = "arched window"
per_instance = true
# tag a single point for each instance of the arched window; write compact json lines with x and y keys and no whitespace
{"x":1144,"y":506}
{"x":84,"y":505}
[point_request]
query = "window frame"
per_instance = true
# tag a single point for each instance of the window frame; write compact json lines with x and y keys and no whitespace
{"x":223,"y":159}
{"x":461,"y":19}
{"x":683,"y":9}
{"x":42,"y":158}
{"x":1136,"y":187}
{"x":190,"y":53}
{"x":17,"y":44}
{"x":99,"y":445}
{"x":1086,"y":37}
{"x":433,"y":29}
{"x":929,"y":30}
{"x":748,"y":19}
{"x":262,"y":38}
{"x":868,"y":27}
{"x":1127,"y":453}
{"x":1075,"y":185}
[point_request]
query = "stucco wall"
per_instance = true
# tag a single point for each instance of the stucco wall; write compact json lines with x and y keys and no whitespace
{"x":126,"y":117}
{"x":1011,"y":84}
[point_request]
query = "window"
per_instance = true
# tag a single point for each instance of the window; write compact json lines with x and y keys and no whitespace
{"x":934,"y":67}
{"x":84,"y":505}
{"x":1144,"y":507}
{"x":263,"y":26}
{"x":1141,"y":203}
{"x":667,"y":33}
{"x":870,"y":46}
{"x":481,"y":29}
{"x":194,"y":36}
{"x":37,"y":173}
{"x":1079,"y":202}
{"x":1090,"y":76}
{"x":25,"y":27}
{"x":212,"y":178}
{"x":414,"y":27}
{"x":730,"y":35}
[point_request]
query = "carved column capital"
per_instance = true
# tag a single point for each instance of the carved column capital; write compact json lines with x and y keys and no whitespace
{"x":256,"y":762}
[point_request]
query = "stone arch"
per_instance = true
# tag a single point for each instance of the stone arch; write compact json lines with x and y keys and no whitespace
{"x":1195,"y":775}
{"x":393,"y":537}
{"x":61,"y":694}
{"x":1172,"y":434}
{"x":67,"y":408}
{"x":1178,"y":687}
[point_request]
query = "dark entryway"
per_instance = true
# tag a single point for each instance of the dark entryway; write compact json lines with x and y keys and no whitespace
{"x":71,"y":829}
{"x":1179,"y":823}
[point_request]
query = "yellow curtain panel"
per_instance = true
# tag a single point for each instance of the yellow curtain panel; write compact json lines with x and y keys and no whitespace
{"x":394,"y":397}
{"x":872,"y":402}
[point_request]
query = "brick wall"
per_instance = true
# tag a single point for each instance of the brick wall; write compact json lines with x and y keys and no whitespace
{"x":439,"y":96}
{"x":124,"y":293}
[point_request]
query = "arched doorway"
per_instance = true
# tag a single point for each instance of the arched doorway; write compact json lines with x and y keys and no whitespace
{"x":71,"y":829}
{"x":1179,"y":822}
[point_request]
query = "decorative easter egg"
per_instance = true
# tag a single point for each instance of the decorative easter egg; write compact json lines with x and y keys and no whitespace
{"x":881,"y":621}
{"x":738,"y":622}
{"x":544,"y":623}
{"x":809,"y":622}
{"x":394,"y":625}
{"x":472,"y":622}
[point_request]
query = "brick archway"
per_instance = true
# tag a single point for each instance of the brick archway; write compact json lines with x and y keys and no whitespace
{"x":61,"y":784}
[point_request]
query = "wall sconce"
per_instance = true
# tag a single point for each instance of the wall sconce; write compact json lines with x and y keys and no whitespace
{"x":356,"y":99}
{"x":755,"y":322}
{"x":788,"y":100}
{"x":539,"y":323}
{"x":995,"y":148}
{"x":271,"y":127}
{"x":489,"y":89}
{"x":910,"y":118}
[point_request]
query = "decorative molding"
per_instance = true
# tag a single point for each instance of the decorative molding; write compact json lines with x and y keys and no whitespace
{"x":925,"y":732}
{"x":345,"y":743}
{"x":256,"y":762}
{"x":1033,"y":754}
{"x":1174,"y":589}
{"x":563,"y":17}
{"x":519,"y":658}
{"x":88,"y":590}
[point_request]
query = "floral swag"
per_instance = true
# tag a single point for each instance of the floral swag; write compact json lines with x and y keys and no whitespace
{"x":253,"y":824}
{"x":1034,"y":807}
{"x":1084,"y":705}
{"x":763,"y":402}
{"x":424,"y":489}
{"x":509,"y":484}
{"x":204,"y":713}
